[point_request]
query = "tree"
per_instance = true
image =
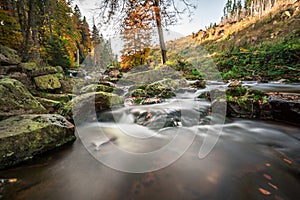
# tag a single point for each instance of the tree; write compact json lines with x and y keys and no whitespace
{"x":165,"y":13}
{"x":136,"y":33}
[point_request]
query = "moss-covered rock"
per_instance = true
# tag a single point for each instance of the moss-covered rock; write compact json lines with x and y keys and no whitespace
{"x":96,"y":88}
{"x":200,"y":84}
{"x":15,"y":99}
{"x":8,"y":56}
{"x":22,"y":137}
{"x":151,"y":76}
{"x":81,"y":107}
{"x":35,"y":70}
{"x":138,"y":93}
{"x":63,"y":98}
{"x":247,"y":103}
{"x":164,"y":88}
{"x":49,"y":104}
{"x":47,"y":82}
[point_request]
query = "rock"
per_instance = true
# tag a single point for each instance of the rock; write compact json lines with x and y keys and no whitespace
{"x":138,"y":93}
{"x":282,"y":80}
{"x":8,"y":56}
{"x":114,"y":73}
{"x":285,"y":110}
{"x":247,"y":103}
{"x":34,"y":70}
{"x":62,"y":98}
{"x":23,"y":78}
{"x":151,"y":76}
{"x":199,"y":84}
{"x":67,"y":85}
{"x":49,"y":104}
{"x":96,"y":88}
{"x":81,"y":107}
{"x":15,"y":99}
{"x":235,"y":84}
{"x":47,"y":82}
{"x":22,"y":137}
{"x":164,"y":88}
{"x":148,"y":101}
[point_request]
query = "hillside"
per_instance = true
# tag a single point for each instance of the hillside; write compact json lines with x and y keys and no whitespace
{"x":262,"y":49}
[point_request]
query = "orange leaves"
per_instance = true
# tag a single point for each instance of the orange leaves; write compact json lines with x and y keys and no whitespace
{"x":273,"y":186}
{"x":263,"y":191}
{"x":288,"y":161}
{"x":267,"y":176}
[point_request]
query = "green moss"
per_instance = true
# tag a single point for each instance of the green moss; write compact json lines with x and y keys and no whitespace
{"x":16,"y":99}
{"x":47,"y":82}
{"x":25,"y":136}
{"x":30,"y":66}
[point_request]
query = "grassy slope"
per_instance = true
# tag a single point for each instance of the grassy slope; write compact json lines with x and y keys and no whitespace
{"x":253,"y":49}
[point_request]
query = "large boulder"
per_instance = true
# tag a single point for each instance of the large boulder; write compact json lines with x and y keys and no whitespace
{"x":22,"y":137}
{"x":15,"y":99}
{"x":81,"y":107}
{"x":47,"y":82}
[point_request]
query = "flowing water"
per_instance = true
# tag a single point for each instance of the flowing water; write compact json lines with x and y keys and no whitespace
{"x":252,"y":159}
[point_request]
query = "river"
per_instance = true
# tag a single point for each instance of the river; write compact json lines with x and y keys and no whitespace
{"x":252,"y":159}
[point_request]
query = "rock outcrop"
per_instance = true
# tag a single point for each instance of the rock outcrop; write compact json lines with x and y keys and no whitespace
{"x":22,"y":137}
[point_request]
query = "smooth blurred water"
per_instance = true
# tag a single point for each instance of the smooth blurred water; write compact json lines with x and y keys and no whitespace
{"x":252,"y":159}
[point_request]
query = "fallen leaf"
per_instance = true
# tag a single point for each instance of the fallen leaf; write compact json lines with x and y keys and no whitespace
{"x":263,"y":191}
{"x":267,"y":176}
{"x":12,"y":180}
{"x":273,"y":186}
{"x":287,"y":161}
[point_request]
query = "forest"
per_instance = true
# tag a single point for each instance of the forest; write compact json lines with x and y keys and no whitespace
{"x":212,"y":115}
{"x":49,"y":31}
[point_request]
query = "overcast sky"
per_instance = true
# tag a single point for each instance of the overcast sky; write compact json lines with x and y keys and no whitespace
{"x":208,"y":11}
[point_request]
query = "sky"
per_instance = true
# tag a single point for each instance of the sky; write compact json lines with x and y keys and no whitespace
{"x":208,"y":11}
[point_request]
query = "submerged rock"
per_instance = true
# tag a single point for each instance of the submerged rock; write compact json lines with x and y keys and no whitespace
{"x":22,"y":137}
{"x":15,"y":99}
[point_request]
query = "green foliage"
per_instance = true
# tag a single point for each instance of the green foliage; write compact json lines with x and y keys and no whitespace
{"x":270,"y":60}
{"x":56,"y":53}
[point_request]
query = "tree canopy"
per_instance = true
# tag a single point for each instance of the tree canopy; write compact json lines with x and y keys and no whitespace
{"x":163,"y":13}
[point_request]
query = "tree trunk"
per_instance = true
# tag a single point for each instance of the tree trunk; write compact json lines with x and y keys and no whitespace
{"x":34,"y":32}
{"x":160,"y":31}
